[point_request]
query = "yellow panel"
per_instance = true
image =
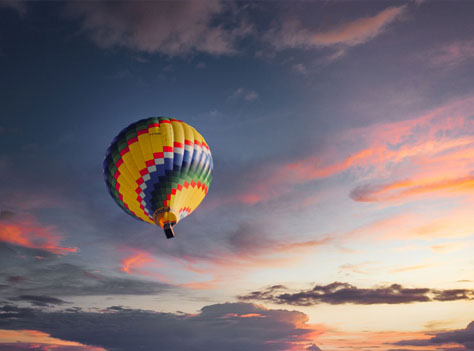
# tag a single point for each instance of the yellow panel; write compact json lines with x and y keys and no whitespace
{"x":178,"y":131}
{"x":166,"y":133}
{"x":145,"y":146}
{"x":137,"y":155}
{"x":129,"y":162}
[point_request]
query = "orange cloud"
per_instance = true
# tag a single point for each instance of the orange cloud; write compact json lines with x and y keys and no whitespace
{"x":142,"y":263}
{"x":29,"y":233}
{"x":334,"y":340}
{"x":409,"y":268}
{"x":409,"y":188}
{"x":42,"y":340}
{"x":455,"y":223}
{"x":137,"y":260}
{"x":425,"y":155}
{"x":449,"y":247}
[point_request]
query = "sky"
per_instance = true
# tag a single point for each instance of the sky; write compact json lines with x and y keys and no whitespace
{"x":340,"y":214}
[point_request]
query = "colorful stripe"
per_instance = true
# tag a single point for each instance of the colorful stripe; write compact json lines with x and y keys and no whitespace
{"x":158,"y":162}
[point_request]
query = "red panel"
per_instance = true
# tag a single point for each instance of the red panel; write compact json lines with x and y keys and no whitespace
{"x":124,"y":151}
{"x":131,"y":141}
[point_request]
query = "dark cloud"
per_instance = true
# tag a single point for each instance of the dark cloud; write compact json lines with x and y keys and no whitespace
{"x":15,"y":279}
{"x":463,"y":337}
{"x":453,"y":295}
{"x":313,"y":347}
{"x":339,"y":293}
{"x":229,"y":326}
{"x":17,"y":5}
{"x":6,"y":215}
{"x":171,"y":28}
{"x":31,"y":276}
{"x":40,"y":301}
{"x":65,"y":279}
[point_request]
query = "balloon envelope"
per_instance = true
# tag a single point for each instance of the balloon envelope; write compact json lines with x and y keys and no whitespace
{"x":158,"y":170}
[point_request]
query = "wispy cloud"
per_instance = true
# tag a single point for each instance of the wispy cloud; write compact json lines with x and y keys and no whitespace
{"x":464,"y":337}
{"x":451,"y":55}
{"x":341,"y":293}
{"x":453,"y":223}
{"x":426,"y":155}
{"x":293,"y":35}
{"x":39,"y":300}
{"x":29,"y":233}
{"x":17,"y":5}
{"x":28,"y":340}
{"x":247,"y":95}
{"x":171,"y":28}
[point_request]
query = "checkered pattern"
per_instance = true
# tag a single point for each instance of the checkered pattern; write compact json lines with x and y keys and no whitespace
{"x":183,"y":166}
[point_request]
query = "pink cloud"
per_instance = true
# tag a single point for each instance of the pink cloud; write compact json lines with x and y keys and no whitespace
{"x":361,"y":30}
{"x":422,"y":156}
{"x":455,"y":223}
{"x":27,"y":232}
{"x":142,"y":263}
{"x":452,"y":54}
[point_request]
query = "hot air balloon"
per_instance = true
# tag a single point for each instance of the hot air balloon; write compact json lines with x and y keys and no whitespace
{"x":158,"y":170}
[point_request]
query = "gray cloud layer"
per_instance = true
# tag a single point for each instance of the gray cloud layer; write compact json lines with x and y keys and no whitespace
{"x":464,"y":337}
{"x":171,"y":27}
{"x":214,"y":27}
{"x":38,"y":281}
{"x":229,"y":326}
{"x":340,"y":293}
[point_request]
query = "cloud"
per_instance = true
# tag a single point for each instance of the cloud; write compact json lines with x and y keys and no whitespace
{"x":406,"y":188}
{"x":215,"y":327}
{"x":463,"y":337}
{"x":247,"y":95}
{"x":6,"y":215}
{"x":33,"y":340}
{"x":40,"y":301}
{"x":17,"y":5}
{"x":243,"y":253}
{"x":341,"y":293}
{"x":451,"y":55}
{"x":170,"y":28}
{"x":28,"y":232}
{"x":31,"y":279}
{"x":439,"y":223}
{"x":68,"y":279}
{"x":137,"y":260}
{"x":292,"y":35}
{"x":422,"y":156}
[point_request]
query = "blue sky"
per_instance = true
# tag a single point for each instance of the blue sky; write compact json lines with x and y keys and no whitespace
{"x":340,"y":211}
